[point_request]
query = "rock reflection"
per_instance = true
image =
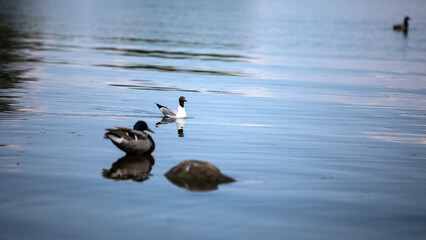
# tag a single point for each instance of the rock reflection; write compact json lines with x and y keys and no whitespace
{"x":197,"y":175}
{"x":135,"y":167}
{"x":180,"y":122}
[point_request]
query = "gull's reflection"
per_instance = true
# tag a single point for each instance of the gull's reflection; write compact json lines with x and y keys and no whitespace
{"x":180,"y":122}
{"x":197,"y":175}
{"x":135,"y":167}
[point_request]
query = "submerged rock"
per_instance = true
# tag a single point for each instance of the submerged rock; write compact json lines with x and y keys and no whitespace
{"x":197,"y":175}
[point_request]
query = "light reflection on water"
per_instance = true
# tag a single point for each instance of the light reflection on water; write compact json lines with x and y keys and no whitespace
{"x":318,"y":113}
{"x":398,"y":137}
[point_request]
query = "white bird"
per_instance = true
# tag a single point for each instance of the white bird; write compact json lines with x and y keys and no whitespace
{"x":172,"y":113}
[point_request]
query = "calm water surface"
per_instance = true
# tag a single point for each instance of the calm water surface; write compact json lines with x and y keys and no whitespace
{"x":317,"y":108}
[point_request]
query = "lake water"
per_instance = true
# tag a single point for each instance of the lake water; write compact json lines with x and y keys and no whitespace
{"x":316,"y":108}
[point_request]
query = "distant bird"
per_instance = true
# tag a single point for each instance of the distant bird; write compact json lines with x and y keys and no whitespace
{"x":402,"y":27}
{"x":132,"y":141}
{"x":172,"y":113}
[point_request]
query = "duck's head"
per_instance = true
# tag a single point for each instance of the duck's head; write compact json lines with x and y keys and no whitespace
{"x":142,"y":126}
{"x":181,"y":101}
{"x":406,"y":19}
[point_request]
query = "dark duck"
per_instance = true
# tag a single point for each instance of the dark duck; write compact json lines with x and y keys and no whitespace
{"x":132,"y":141}
{"x":402,"y":27}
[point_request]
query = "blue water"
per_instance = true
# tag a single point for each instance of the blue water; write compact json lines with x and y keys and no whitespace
{"x":316,"y":108}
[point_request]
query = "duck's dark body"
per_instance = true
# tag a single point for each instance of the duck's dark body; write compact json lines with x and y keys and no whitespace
{"x":132,"y":141}
{"x":402,"y":27}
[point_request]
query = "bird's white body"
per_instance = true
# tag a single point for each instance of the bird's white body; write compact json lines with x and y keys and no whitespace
{"x":181,"y":113}
{"x":173,"y":113}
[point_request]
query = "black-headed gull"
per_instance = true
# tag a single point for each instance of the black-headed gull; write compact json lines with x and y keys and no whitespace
{"x":172,"y":113}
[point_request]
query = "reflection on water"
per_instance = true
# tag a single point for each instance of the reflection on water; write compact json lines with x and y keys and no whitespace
{"x":174,"y":54}
{"x":166,"y":41}
{"x":165,"y":68}
{"x":193,"y":175}
{"x":180,"y":122}
{"x":325,"y":106}
{"x":196,"y":186}
{"x":417,"y":138}
{"x":16,"y":62}
{"x":153,"y":86}
{"x":135,"y":167}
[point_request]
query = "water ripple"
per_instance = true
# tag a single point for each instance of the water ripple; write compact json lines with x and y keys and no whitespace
{"x":160,"y":88}
{"x":163,"y":68}
{"x":176,"y":54}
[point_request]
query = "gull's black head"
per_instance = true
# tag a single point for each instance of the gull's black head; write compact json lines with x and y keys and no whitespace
{"x":142,"y":126}
{"x":181,"y":101}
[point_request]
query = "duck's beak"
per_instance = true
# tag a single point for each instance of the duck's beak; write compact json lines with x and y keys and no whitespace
{"x":149,"y":130}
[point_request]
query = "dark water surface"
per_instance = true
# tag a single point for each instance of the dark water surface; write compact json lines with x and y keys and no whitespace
{"x":317,"y":108}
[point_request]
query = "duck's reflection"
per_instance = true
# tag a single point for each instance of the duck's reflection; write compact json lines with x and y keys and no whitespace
{"x":197,"y":175}
{"x":180,"y":122}
{"x":135,"y":167}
